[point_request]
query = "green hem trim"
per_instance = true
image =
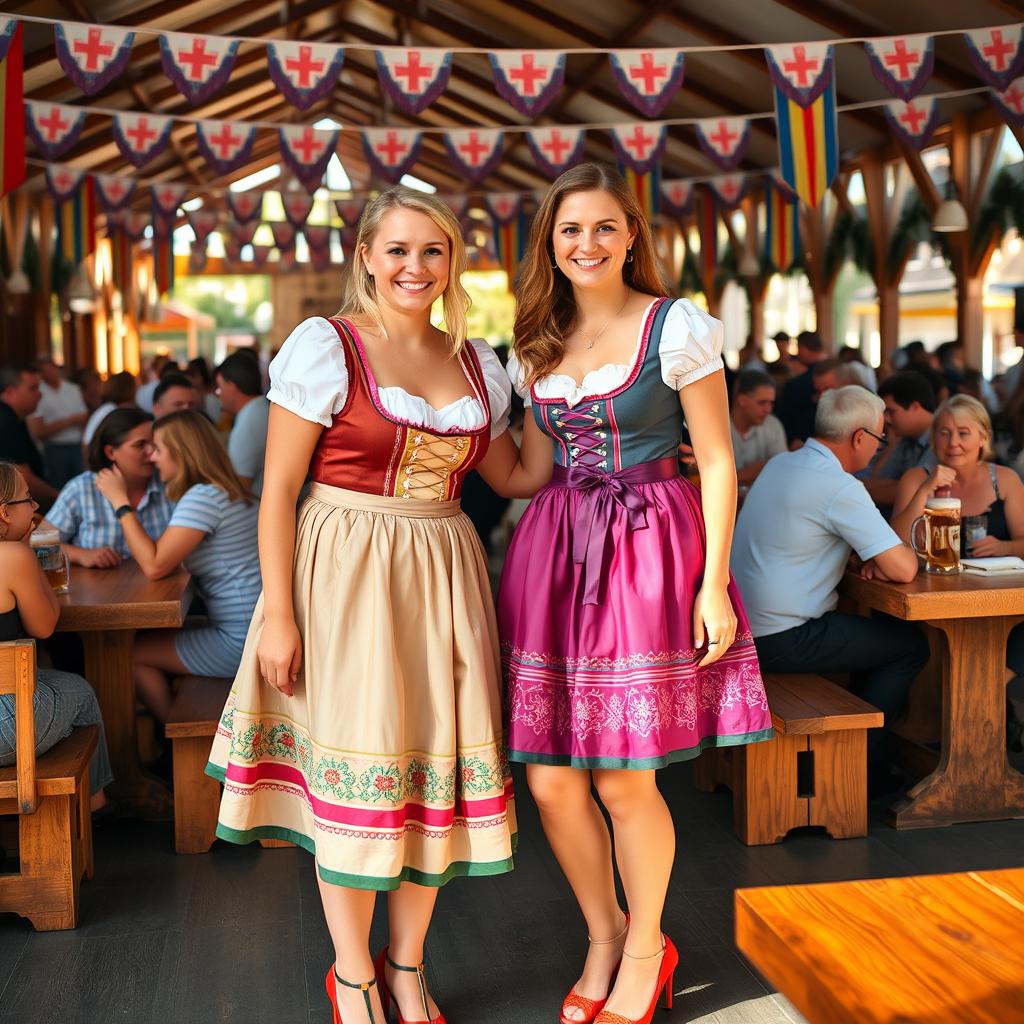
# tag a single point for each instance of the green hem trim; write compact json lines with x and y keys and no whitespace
{"x":458,"y":870}
{"x":216,"y":772}
{"x":640,"y":763}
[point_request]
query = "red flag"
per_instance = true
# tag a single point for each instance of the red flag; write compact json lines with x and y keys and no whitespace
{"x":12,"y":107}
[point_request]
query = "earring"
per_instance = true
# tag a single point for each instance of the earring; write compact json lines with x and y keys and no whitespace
{"x":629,"y":255}
{"x":554,"y":265}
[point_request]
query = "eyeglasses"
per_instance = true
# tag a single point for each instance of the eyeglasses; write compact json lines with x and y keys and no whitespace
{"x":23,"y":501}
{"x":880,"y":438}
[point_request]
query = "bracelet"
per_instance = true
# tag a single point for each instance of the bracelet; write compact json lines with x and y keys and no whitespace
{"x":122,"y":511}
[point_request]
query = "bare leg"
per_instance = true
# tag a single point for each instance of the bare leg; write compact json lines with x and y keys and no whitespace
{"x":349,"y":913}
{"x":645,"y":844}
{"x":410,"y":908}
{"x":155,"y":662}
{"x":579,"y":838}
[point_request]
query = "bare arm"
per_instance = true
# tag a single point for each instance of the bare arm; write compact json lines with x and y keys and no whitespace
{"x":706,"y":407}
{"x":43,"y":430}
{"x":914,"y":489}
{"x":1012,"y":490}
{"x":515,"y":473}
{"x":36,"y":601}
{"x":898,"y":564}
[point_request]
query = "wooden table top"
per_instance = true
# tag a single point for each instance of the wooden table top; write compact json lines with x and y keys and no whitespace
{"x":959,"y":596}
{"x":123,"y":598}
{"x":933,"y":948}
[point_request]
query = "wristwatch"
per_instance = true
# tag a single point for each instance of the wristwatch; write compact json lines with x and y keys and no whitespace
{"x":120,"y":513}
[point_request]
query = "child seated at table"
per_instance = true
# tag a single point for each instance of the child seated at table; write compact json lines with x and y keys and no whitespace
{"x":28,"y":607}
{"x":212,"y":532}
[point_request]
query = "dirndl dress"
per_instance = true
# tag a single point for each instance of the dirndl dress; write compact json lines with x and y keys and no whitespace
{"x":388,"y":763}
{"x":596,"y":603}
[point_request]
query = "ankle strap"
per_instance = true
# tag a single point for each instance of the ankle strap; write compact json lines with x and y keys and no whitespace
{"x":364,"y":986}
{"x":650,"y":956}
{"x":614,"y":938}
{"x":418,"y":969}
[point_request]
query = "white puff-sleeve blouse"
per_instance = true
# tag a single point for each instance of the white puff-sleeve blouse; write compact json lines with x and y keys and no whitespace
{"x":309,"y":377}
{"x":690,"y":348}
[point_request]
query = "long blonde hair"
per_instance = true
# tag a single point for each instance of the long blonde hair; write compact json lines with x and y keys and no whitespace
{"x":969,"y":408}
{"x":200,"y":454}
{"x":545,"y":308}
{"x":9,"y":478}
{"x":361,"y":294}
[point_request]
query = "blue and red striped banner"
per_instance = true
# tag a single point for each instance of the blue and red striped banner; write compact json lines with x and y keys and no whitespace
{"x":782,"y":226}
{"x":76,"y":223}
{"x":646,"y":187}
{"x":808,"y":142}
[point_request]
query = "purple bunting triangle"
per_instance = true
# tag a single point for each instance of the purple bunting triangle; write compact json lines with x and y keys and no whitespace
{"x":724,"y":140}
{"x":903,"y":64}
{"x":307,"y":152}
{"x":475,"y":151}
{"x":648,"y":78}
{"x":225,"y":145}
{"x":197,"y":65}
{"x":915,"y":120}
{"x":413,"y":78}
{"x":115,"y":193}
{"x":801,"y":71}
{"x":53,"y":127}
{"x":391,"y":152}
{"x":304,"y":72}
{"x":639,"y":145}
{"x":92,"y":56}
{"x":528,"y":79}
{"x":246,"y":206}
{"x":556,"y":149}
{"x":997,"y":54}
{"x":141,"y":137}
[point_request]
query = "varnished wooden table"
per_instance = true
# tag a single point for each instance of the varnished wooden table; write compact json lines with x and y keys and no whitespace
{"x":106,"y":607}
{"x":974,"y":780}
{"x":933,"y":949}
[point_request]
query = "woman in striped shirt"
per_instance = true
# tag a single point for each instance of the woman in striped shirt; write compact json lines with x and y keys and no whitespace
{"x":212,"y":533}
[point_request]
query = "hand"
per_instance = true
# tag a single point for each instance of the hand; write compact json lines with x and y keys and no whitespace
{"x":714,"y":618}
{"x":280,"y":654}
{"x":989,"y":547}
{"x":941,"y":478}
{"x":110,"y":483}
{"x":686,"y":455}
{"x":99,"y":558}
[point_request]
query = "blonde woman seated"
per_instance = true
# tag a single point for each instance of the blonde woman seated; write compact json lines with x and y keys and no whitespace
{"x":212,"y":533}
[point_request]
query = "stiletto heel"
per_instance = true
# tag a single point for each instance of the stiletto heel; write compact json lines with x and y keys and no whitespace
{"x":590,"y":1007}
{"x":332,"y":992}
{"x":666,"y":975}
{"x":387,"y":996}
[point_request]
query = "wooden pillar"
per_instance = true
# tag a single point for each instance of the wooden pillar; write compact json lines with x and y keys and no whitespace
{"x":816,"y":225}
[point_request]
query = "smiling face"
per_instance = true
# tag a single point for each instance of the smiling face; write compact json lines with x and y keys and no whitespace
{"x":409,"y":259}
{"x":590,"y":239}
{"x":131,"y":456}
{"x":959,"y":441}
{"x":163,"y":458}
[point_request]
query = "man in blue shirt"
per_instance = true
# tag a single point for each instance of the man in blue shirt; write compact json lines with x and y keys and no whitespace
{"x":240,"y":390}
{"x":804,"y":515}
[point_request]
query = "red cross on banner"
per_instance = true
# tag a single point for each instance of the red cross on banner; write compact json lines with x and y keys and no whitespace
{"x":729,"y":189}
{"x":284,"y":235}
{"x":556,"y":149}
{"x":141,"y":137}
{"x":307,"y":152}
{"x":92,"y":56}
{"x":504,"y":206}
{"x":304,"y":72}
{"x":391,"y":152}
{"x":63,"y":181}
{"x":902,"y":64}
{"x":197,"y":65}
{"x":648,"y":78}
{"x":203,"y":223}
{"x":413,"y":78}
{"x":801,"y":70}
{"x":475,"y":151}
{"x":915,"y":120}
{"x":245,"y":206}
{"x":297,"y":207}
{"x":640,"y":145}
{"x":225,"y":145}
{"x":724,"y":140}
{"x":528,"y":79}
{"x":676,"y":197}
{"x":115,"y":193}
{"x":53,"y":127}
{"x":997,"y":54}
{"x":1010,"y":103}
{"x":167,"y":197}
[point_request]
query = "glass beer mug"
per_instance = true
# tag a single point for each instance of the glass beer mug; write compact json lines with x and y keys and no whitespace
{"x":52,"y":559}
{"x":941,"y":550}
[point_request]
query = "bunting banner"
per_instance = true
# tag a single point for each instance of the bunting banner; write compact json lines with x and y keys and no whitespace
{"x":197,"y":65}
{"x":707,"y":230}
{"x":307,"y":152}
{"x":141,"y":137}
{"x":167,"y":197}
{"x":348,"y":237}
{"x":92,"y":56}
{"x":163,"y":263}
{"x":458,"y":203}
{"x":391,"y":152}
{"x":782,"y":226}
{"x":225,"y":145}
{"x":724,"y":140}
{"x":413,"y":78}
{"x":243,"y":234}
{"x":285,"y":260}
{"x":802,"y":71}
{"x":997,"y":54}
{"x":284,"y":235}
{"x":318,"y":236}
{"x":232,"y":250}
{"x":135,"y":225}
{"x":53,"y":127}
{"x":503,"y":206}
{"x":639,"y":145}
{"x":115,"y":192}
{"x":510,"y":242}
{"x":76,"y":223}
{"x":903,"y":64}
{"x":203,"y":222}
{"x":475,"y":151}
{"x":648,"y":78}
{"x":556,"y":149}
{"x":260,"y":254}
{"x":805,"y":116}
{"x":320,"y":259}
{"x":676,"y":197}
{"x":729,"y":189}
{"x":528,"y":79}
{"x":245,"y":206}
{"x":12,"y":107}
{"x":350,"y":210}
{"x":62,"y":181}
{"x":304,"y":72}
{"x":1011,"y":102}
{"x":646,"y":186}
{"x":197,"y":257}
{"x":914,"y":121}
{"x":297,"y":207}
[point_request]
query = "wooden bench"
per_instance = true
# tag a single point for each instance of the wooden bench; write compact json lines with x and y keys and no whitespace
{"x":931,"y":949}
{"x":50,"y":796}
{"x":814,"y":772}
{"x":191,"y":725}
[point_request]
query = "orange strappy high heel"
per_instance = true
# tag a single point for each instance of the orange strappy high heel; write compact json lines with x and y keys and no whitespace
{"x":387,"y":998}
{"x":332,"y":994}
{"x":590,"y":1007}
{"x":669,"y":963}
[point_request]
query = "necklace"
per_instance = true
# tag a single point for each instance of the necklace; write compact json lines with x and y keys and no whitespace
{"x":593,"y":340}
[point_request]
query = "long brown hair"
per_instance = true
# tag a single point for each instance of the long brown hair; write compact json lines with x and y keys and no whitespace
{"x":200,"y":454}
{"x":361,"y":294}
{"x":545,"y":307}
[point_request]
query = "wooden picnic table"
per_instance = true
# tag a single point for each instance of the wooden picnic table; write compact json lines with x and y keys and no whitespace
{"x":974,"y":780}
{"x":934,"y":949}
{"x":106,"y":607}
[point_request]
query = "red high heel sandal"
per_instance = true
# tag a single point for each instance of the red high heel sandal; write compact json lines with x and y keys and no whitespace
{"x":669,"y":963}
{"x":387,"y":998}
{"x":590,"y":1007}
{"x":332,"y":993}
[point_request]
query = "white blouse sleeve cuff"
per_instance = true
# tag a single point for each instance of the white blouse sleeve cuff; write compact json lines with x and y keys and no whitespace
{"x":308,"y":375}
{"x":499,"y":390}
{"x":515,"y":374}
{"x":691,"y":345}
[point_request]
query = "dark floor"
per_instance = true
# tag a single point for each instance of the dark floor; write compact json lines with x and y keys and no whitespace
{"x":237,"y":935}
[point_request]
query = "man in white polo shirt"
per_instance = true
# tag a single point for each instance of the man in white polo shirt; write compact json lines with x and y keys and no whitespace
{"x":804,"y":515}
{"x":756,"y":434}
{"x":57,"y":423}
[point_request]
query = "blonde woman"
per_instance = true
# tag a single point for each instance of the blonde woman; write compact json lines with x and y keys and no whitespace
{"x":212,"y":532}
{"x":365,"y":719}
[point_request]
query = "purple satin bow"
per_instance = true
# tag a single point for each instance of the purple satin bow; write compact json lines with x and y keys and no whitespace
{"x":602,"y":493}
